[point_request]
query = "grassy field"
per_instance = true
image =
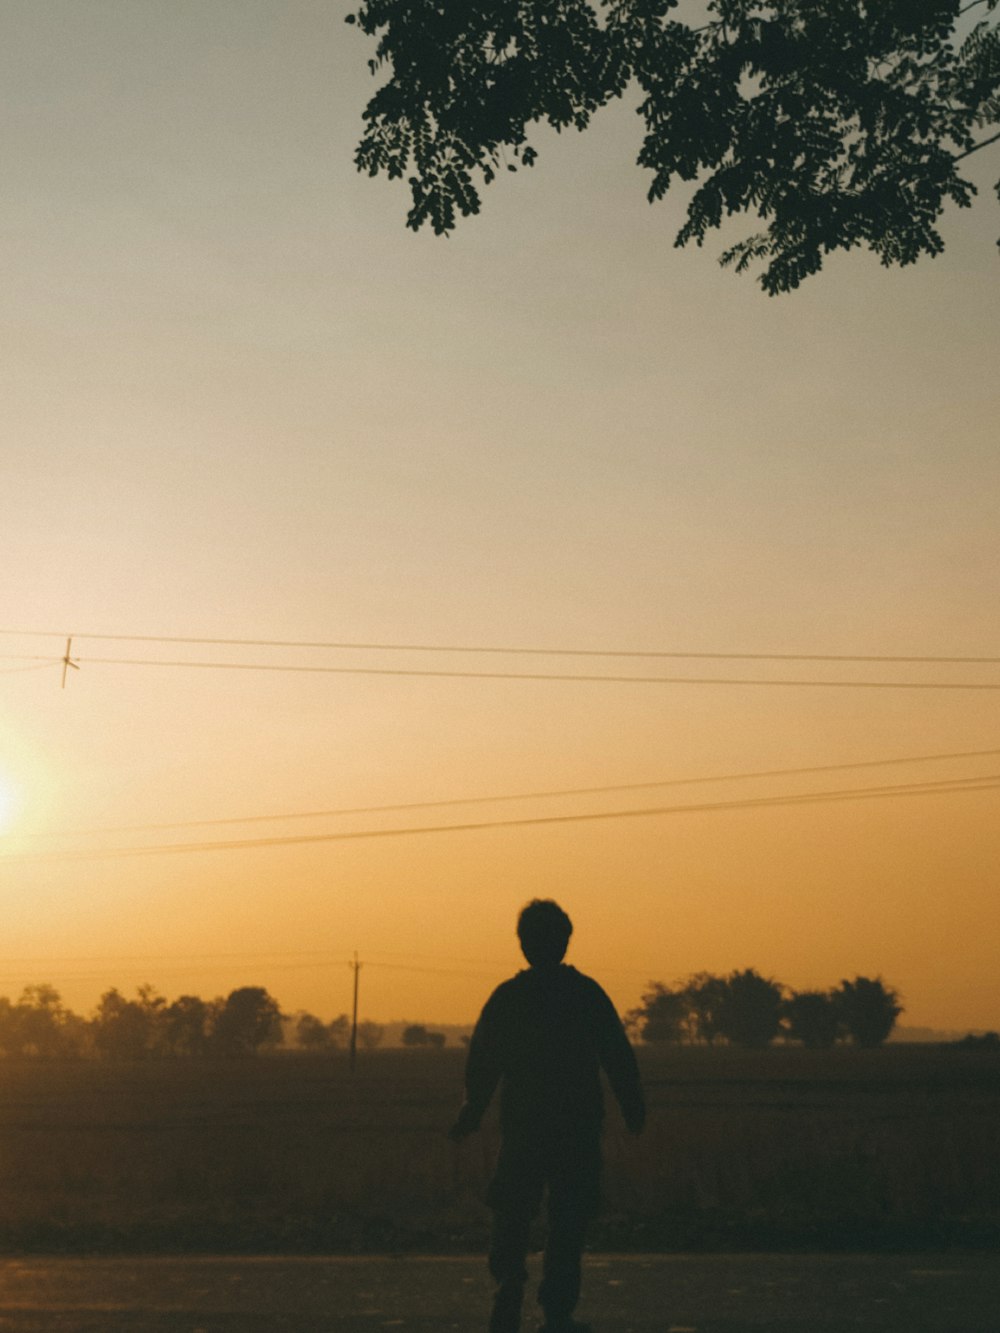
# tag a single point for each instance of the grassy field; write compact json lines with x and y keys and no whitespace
{"x":784,"y":1147}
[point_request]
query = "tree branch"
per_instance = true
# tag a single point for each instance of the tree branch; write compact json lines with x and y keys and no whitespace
{"x":976,"y":147}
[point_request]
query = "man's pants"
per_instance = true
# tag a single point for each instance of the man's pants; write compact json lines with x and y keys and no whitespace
{"x":569,"y":1164}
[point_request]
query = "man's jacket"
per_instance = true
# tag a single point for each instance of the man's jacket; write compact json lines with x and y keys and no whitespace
{"x":547,"y":1033}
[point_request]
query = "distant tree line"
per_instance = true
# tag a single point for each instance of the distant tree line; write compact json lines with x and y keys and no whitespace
{"x":246,"y":1021}
{"x":741,"y":1009}
{"x":415,"y":1034}
{"x":747,"y":1009}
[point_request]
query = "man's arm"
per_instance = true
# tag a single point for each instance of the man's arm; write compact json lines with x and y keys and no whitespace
{"x":619,"y":1062}
{"x":483,"y":1068}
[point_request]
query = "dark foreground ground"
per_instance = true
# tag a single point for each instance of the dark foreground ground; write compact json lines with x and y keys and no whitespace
{"x":895,"y":1149}
{"x":746,"y":1293}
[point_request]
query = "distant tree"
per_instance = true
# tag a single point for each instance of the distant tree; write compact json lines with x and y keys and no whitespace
{"x":129,"y":1029}
{"x":77,"y":1036}
{"x":661,"y":1017}
{"x":40,"y":1025}
{"x":632,"y":1022}
{"x":154,"y":1006}
{"x":312,"y":1034}
{"x":981,"y":1041}
{"x":370,"y":1034}
{"x":415,"y":1035}
{"x":750,"y":1011}
{"x":436,"y":1039}
{"x":9,"y":1037}
{"x":868,"y":1009}
{"x":339,"y":1029}
{"x":247,"y":1020}
{"x":706,"y":995}
{"x":119,"y":1027}
{"x":813,"y":1018}
{"x":186,"y":1026}
{"x":837,"y":123}
{"x":39,"y":1022}
{"x":690,"y":1011}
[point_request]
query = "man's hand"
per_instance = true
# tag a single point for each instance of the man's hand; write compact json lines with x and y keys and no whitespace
{"x":466,"y":1124}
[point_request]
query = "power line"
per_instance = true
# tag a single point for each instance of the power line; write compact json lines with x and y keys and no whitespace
{"x":175,"y":964}
{"x":322,"y":955}
{"x":987,"y":782}
{"x":504,"y":965}
{"x":532,"y":650}
{"x":140,"y":964}
{"x":174,"y":970}
{"x":302,"y":669}
{"x":33,"y":666}
{"x":321,"y":958}
{"x":200,"y":969}
{"x":435,"y":971}
{"x":546,"y":794}
{"x":272,"y":959}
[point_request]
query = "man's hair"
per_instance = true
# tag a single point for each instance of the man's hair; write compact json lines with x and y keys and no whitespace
{"x":544,"y":930}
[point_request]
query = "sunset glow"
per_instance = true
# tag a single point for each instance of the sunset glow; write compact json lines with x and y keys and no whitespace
{"x":243,"y":402}
{"x":8,"y":802}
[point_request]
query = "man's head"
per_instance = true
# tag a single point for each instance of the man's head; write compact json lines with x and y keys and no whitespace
{"x":544,"y":930}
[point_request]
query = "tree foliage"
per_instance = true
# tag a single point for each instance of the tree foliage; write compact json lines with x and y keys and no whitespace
{"x":370,"y":1034}
{"x":706,"y":996}
{"x":868,"y":1009}
{"x":688,"y":1011}
{"x":187,"y":1025}
{"x":661,"y":1017}
{"x":40,"y":1025}
{"x":416,"y":1034}
{"x":750,"y":1009}
{"x":246,"y":1020}
{"x":747,"y":1009}
{"x":312,"y":1034}
{"x":130,"y":1029}
{"x":813,"y":1018}
{"x":837,"y":123}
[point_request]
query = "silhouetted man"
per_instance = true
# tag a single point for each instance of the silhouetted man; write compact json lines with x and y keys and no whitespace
{"x":546,"y":1032}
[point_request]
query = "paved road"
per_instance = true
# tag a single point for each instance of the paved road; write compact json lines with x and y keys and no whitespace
{"x":635,"y":1294}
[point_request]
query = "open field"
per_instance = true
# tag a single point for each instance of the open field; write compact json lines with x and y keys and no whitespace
{"x":889,"y":1148}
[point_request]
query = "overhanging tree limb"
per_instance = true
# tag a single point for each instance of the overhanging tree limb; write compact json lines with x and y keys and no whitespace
{"x":976,"y":147}
{"x":837,"y":123}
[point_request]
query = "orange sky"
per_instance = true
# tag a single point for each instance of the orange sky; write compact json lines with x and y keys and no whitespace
{"x":241,"y":401}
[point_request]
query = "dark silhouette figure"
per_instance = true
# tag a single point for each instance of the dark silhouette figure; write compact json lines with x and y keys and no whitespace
{"x":546,"y":1032}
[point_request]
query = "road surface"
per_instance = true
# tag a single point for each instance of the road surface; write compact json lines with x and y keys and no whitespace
{"x":940,"y":1293}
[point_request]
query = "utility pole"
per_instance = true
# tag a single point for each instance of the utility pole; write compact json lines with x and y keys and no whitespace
{"x":356,"y":968}
{"x":67,"y":661}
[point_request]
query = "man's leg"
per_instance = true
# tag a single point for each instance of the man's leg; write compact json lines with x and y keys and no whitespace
{"x":508,"y":1251}
{"x":574,"y":1196}
{"x":561,"y":1271}
{"x":514,"y":1195}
